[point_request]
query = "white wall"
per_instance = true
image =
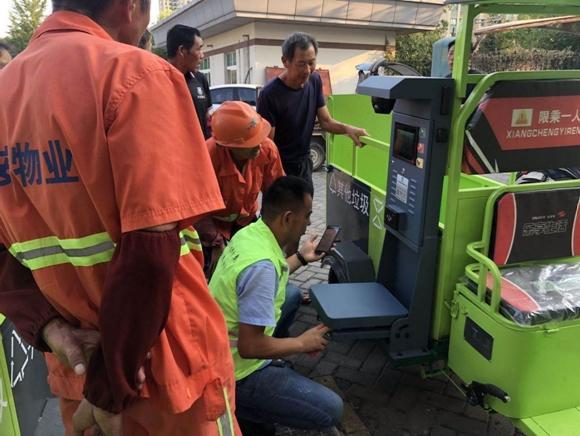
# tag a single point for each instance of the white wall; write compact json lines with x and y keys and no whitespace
{"x":340,"y":62}
{"x":217,"y":67}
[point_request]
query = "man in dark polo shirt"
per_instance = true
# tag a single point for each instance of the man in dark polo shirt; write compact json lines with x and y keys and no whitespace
{"x":293,"y":101}
{"x":185,"y":52}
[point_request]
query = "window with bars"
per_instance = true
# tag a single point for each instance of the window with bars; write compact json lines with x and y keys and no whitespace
{"x":231,"y":68}
{"x":205,"y":69}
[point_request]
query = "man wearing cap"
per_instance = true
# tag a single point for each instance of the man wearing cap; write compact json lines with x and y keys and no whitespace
{"x":246,"y":163}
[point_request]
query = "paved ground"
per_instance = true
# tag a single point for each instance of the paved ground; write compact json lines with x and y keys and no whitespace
{"x":379,"y":400}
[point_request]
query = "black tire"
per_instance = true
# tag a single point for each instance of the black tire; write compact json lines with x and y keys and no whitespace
{"x":317,"y":152}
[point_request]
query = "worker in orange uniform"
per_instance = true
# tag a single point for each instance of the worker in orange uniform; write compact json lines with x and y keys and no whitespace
{"x":246,"y":163}
{"x":97,"y":170}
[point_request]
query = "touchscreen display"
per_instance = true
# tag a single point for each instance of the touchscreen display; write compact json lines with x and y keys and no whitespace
{"x":406,"y":140}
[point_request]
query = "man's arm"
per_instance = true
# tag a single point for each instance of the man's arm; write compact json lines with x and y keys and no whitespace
{"x":134,"y":309}
{"x":265,"y":109}
{"x":254,"y":344}
{"x":308,"y":253}
{"x":37,"y":321}
{"x":256,"y":292}
{"x":138,"y":285}
{"x":22,"y":302}
{"x":329,"y":124}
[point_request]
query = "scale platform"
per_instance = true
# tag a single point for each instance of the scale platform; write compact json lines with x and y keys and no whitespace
{"x":343,"y":306}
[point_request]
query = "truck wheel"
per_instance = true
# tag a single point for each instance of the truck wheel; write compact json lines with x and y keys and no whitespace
{"x":317,"y":152}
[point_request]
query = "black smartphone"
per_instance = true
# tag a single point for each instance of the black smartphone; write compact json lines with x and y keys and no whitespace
{"x":327,"y":240}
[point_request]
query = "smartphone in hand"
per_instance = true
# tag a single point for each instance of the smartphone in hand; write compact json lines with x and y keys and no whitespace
{"x":328,"y":238}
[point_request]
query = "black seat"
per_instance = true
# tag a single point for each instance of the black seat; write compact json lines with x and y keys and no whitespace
{"x":536,"y":294}
{"x":532,"y":226}
{"x":344,"y":306}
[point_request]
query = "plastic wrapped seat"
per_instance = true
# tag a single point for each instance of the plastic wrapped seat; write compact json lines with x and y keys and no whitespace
{"x":537,"y":226}
{"x":536,"y":294}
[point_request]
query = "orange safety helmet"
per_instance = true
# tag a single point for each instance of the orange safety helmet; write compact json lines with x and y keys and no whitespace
{"x":236,"y":124}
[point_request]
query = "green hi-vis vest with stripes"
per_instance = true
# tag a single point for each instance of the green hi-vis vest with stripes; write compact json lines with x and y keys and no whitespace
{"x":86,"y":251}
{"x":252,"y":244}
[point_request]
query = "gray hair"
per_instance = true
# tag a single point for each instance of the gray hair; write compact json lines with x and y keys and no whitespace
{"x":298,"y":39}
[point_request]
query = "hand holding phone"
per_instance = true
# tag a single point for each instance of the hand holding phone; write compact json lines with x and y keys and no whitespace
{"x":328,"y":238}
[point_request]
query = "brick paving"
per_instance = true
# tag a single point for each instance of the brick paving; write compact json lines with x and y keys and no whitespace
{"x":380,"y":400}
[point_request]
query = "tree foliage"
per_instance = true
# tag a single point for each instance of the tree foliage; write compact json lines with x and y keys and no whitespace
{"x":164,"y":13}
{"x":415,"y":49}
{"x":520,"y":59}
{"x":25,"y":16}
{"x":530,"y":39}
{"x":160,"y":51}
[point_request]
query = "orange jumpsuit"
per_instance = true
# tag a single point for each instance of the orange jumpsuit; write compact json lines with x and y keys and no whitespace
{"x":97,"y":140}
{"x":240,"y":190}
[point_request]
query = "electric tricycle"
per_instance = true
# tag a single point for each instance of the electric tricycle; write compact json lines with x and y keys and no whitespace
{"x":444,"y":258}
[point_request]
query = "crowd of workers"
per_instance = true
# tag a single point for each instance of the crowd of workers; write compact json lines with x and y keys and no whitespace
{"x":110,"y":162}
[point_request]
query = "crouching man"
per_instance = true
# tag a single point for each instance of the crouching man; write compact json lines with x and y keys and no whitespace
{"x":250,"y":285}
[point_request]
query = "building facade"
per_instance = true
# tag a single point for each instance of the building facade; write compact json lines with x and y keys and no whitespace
{"x":244,"y":37}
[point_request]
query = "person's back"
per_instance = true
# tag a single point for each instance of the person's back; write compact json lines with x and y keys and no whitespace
{"x":85,"y":158}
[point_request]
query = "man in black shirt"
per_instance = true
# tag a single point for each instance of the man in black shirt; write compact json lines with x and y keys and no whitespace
{"x":184,"y":51}
{"x":293,"y":101}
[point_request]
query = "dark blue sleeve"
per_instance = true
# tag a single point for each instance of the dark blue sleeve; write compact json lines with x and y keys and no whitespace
{"x":319,"y":93}
{"x":265,"y":107}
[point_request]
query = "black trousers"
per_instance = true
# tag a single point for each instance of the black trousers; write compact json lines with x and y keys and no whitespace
{"x":302,"y":169}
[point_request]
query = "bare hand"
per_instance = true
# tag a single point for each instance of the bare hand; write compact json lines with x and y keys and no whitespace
{"x":72,"y":346}
{"x":308,"y":250}
{"x":355,"y":133}
{"x":314,"y":340}
{"x":88,"y":416}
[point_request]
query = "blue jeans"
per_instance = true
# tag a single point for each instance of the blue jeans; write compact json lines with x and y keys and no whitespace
{"x":280,"y":395}
{"x":289,"y":309}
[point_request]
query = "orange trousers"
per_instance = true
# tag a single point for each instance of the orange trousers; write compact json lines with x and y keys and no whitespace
{"x":142,"y":419}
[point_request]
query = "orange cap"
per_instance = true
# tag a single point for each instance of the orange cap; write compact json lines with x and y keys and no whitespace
{"x":236,"y":124}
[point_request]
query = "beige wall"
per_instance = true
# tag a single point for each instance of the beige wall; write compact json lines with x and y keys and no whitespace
{"x":230,"y":37}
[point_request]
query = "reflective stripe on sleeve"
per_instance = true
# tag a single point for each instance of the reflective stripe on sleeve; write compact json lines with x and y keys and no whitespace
{"x":191,"y":238}
{"x":81,"y":252}
{"x":50,"y":251}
